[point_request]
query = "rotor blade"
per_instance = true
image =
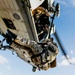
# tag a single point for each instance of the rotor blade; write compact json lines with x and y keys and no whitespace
{"x":60,"y":45}
{"x":62,"y":48}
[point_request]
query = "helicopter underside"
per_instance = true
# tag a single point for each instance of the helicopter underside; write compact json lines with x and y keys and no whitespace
{"x":17,"y":17}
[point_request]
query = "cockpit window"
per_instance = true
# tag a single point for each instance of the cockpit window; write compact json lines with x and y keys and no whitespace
{"x":9,"y":23}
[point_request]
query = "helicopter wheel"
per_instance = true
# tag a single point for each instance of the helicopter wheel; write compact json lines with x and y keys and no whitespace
{"x":34,"y":69}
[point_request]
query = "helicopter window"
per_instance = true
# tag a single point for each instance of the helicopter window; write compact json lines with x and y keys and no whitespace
{"x":9,"y":23}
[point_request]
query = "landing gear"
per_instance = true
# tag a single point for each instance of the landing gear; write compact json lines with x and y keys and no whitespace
{"x":4,"y":47}
{"x":57,"y":10}
{"x":34,"y":69}
{"x":1,"y":43}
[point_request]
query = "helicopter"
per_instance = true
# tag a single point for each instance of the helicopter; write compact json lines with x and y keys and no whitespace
{"x":28,"y":33}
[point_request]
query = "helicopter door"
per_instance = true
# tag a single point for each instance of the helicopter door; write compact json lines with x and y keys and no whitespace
{"x":35,"y":3}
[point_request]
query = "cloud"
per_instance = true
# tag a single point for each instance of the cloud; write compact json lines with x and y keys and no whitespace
{"x":8,"y":67}
{"x":71,"y":51}
{"x":70,"y":3}
{"x":64,"y":62}
{"x":3,"y":60}
{"x":62,"y":2}
{"x":0,"y":73}
{"x":73,"y":2}
{"x":72,"y":60}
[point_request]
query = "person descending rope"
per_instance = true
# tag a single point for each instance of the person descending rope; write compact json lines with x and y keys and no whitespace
{"x":43,"y":55}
